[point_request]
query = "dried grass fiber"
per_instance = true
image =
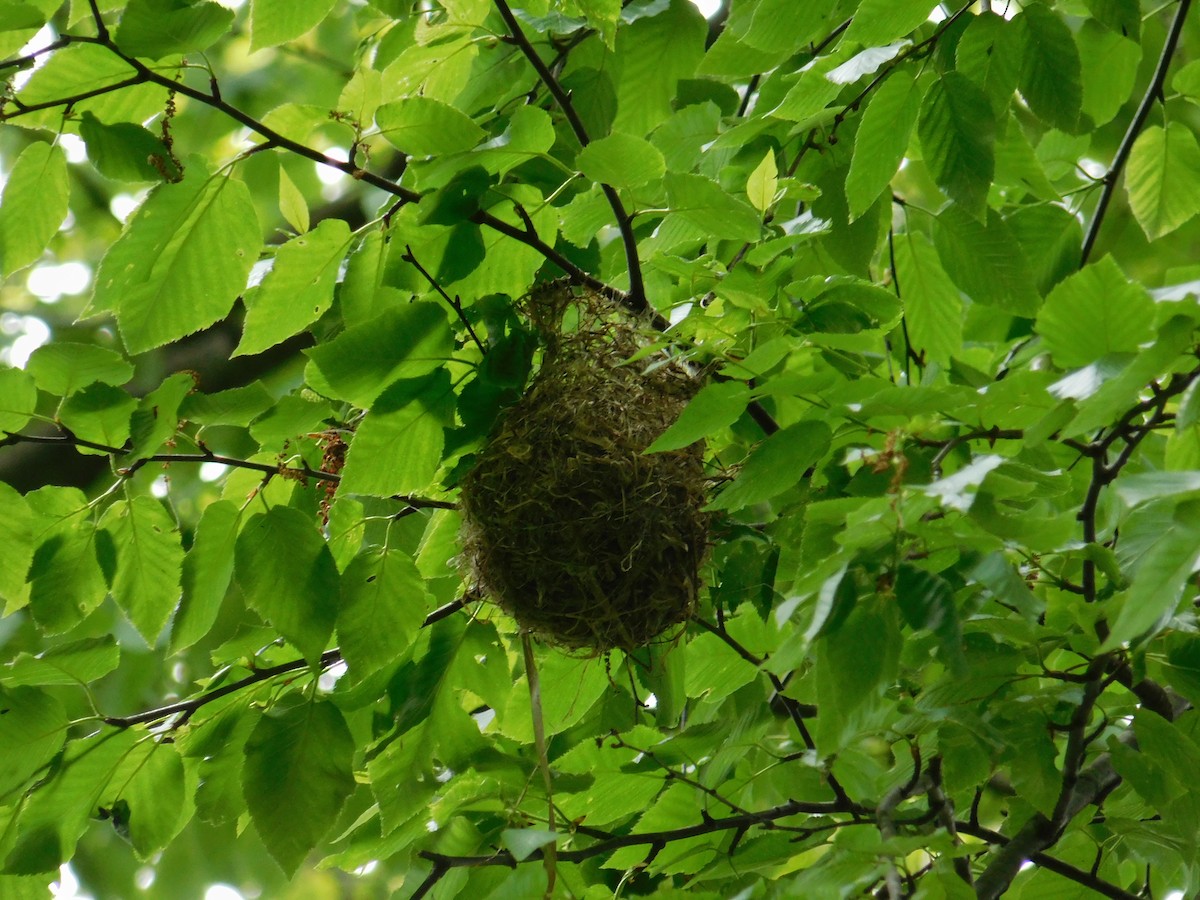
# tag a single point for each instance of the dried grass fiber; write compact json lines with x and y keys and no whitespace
{"x":589,"y":543}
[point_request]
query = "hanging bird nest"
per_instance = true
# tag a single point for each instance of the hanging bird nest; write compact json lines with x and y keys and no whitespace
{"x":568,"y":526}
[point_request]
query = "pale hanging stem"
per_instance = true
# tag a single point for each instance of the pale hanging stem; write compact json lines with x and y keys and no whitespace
{"x":550,"y":855}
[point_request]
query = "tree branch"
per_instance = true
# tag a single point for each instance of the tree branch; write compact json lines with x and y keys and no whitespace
{"x":189,"y":707}
{"x":1153,"y":92}
{"x":636,"y":299}
{"x":709,"y":826}
{"x":455,"y":303}
{"x":1051,"y":863}
{"x":207,"y":456}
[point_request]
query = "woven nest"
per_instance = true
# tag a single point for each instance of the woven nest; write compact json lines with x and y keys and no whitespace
{"x":584,"y":540}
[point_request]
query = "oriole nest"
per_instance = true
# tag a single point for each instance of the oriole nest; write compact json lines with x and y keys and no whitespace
{"x":568,"y":526}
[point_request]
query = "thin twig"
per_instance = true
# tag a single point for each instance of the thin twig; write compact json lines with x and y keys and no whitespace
{"x":190,"y":706}
{"x":1153,"y":92}
{"x":708,"y":826}
{"x":636,"y":300}
{"x":455,"y":303}
{"x":207,"y":456}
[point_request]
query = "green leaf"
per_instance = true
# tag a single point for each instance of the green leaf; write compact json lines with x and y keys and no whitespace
{"x":1161,"y":574}
{"x":288,"y":576}
{"x":158,"y":28}
{"x":1110,"y":64}
{"x":1162,"y":178}
{"x":421,"y":126}
{"x":763,"y":183}
{"x":148,"y":798}
{"x":292,"y":203}
{"x":74,"y":70}
{"x":714,"y":407}
{"x":16,"y":550}
{"x":881,"y":141}
{"x":933,"y":308}
{"x":704,"y":204}
{"x":124,"y":151}
{"x":957,"y":133}
{"x":1051,"y":78}
{"x":985,"y":260}
{"x":99,"y":413}
{"x":783,"y":25}
{"x":853,"y":665}
{"x":398,"y":447}
{"x":405,"y":342}
{"x":775,"y":465}
{"x":33,"y":727}
{"x":18,"y":399}
{"x":236,"y":406}
{"x":66,"y":665}
{"x":63,"y":368}
{"x":1187,"y":80}
{"x":603,"y":16}
{"x":157,"y":417}
{"x":1122,"y":16}
{"x":522,"y":842}
{"x":1095,"y":312}
{"x":621,"y":160}
{"x":33,"y":205}
{"x":926,"y":601}
{"x":1051,"y":240}
{"x":297,"y":776}
{"x":65,"y":579}
{"x":652,"y":56}
{"x":275,"y":22}
{"x":297,"y":290}
{"x":55,"y":816}
{"x":990,"y":53}
{"x":146,"y":584}
{"x":293,"y":415}
{"x":207,"y":572}
{"x":384,"y":601}
{"x":878,"y":21}
{"x":159,"y":277}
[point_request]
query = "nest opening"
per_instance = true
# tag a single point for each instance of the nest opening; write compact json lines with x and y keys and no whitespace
{"x":586,"y":541}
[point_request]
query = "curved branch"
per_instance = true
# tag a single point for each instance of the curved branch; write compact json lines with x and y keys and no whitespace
{"x":207,"y":456}
{"x":1153,"y":92}
{"x":653,"y":838}
{"x":1050,"y":863}
{"x":636,"y":299}
{"x":188,"y":707}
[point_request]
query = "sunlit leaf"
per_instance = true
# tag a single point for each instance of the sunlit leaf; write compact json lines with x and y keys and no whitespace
{"x":158,"y":277}
{"x":1162,"y":178}
{"x":32,"y":206}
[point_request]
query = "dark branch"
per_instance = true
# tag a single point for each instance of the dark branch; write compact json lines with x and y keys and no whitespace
{"x":188,"y":707}
{"x":1153,"y":92}
{"x":207,"y":456}
{"x":455,"y":303}
{"x":1050,"y":863}
{"x":653,"y":838}
{"x":636,"y":300}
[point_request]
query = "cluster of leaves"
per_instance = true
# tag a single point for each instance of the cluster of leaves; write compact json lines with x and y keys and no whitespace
{"x":938,"y":258}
